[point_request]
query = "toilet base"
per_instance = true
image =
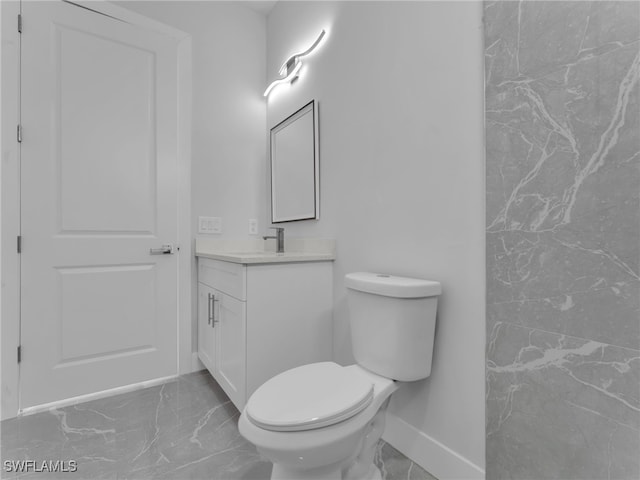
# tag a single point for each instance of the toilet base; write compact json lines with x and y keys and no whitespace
{"x":358,"y":466}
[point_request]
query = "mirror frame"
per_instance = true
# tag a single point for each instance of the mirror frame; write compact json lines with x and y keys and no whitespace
{"x":312,"y":107}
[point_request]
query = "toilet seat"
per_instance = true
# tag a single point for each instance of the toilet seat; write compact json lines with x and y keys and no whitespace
{"x":309,"y":397}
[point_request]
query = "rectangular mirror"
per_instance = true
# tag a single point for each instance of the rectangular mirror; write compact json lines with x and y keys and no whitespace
{"x":295,"y":188}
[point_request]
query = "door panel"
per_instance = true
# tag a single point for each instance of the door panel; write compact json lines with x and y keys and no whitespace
{"x":89,"y":329}
{"x":112,"y":156}
{"x":98,"y":191}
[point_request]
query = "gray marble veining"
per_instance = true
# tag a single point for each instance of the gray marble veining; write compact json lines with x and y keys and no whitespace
{"x":563,"y":239}
{"x":183,"y":429}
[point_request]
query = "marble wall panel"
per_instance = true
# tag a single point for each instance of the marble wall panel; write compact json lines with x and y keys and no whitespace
{"x":563,"y":239}
{"x":560,"y":407}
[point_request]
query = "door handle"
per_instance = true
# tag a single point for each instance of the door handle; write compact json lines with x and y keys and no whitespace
{"x":163,"y":250}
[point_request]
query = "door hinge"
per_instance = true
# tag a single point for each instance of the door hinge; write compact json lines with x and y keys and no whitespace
{"x":19,"y":353}
{"x":19,"y":243}
{"x":19,"y":133}
{"x":19,"y":23}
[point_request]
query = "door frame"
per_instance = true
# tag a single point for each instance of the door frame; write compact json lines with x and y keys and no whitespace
{"x":10,"y":199}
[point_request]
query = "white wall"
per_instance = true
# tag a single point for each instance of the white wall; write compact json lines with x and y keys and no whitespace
{"x":400,"y":89}
{"x":229,"y":143}
{"x":229,"y":149}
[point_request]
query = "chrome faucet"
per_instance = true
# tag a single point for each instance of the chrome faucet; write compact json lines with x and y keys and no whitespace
{"x":279,"y":237}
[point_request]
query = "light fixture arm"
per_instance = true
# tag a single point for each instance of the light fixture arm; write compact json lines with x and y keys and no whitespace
{"x":290,"y":69}
{"x":291,"y":60}
{"x":289,"y":78}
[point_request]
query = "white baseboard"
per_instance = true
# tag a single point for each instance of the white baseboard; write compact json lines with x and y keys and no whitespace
{"x":196,"y":364}
{"x":436,"y":458}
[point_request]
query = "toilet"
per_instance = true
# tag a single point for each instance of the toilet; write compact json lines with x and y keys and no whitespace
{"x":323,"y":420}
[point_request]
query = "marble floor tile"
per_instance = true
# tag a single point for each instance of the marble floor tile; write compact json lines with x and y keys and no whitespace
{"x":183,"y":429}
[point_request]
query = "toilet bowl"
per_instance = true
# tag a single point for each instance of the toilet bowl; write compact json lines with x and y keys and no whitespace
{"x":348,"y":421}
{"x":323,"y":420}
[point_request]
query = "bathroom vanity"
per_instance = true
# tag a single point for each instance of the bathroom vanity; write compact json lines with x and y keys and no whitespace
{"x":260,"y":314}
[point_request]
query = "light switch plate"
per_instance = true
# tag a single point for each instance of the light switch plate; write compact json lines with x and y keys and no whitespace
{"x":216,"y":225}
{"x":209,"y":225}
{"x":203,"y":226}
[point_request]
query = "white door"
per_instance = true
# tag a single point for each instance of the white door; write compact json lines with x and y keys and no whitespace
{"x":98,"y":191}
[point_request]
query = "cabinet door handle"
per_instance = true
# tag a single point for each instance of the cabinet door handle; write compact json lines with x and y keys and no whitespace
{"x":209,"y":309}
{"x":212,"y":308}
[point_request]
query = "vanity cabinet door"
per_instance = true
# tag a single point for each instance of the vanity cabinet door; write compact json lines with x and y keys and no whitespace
{"x":230,"y":337}
{"x":206,"y":337}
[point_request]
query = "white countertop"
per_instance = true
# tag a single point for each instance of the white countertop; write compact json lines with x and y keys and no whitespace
{"x":255,"y":251}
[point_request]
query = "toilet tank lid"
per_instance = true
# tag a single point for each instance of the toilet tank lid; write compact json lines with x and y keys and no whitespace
{"x":391,"y":286}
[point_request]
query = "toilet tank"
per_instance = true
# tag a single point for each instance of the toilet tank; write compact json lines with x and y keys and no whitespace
{"x":393,"y":323}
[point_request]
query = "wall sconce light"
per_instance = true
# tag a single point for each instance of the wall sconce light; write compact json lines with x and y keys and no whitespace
{"x":291,"y":67}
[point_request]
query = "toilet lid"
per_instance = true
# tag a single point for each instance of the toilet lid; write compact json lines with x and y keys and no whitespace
{"x":308,"y":397}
